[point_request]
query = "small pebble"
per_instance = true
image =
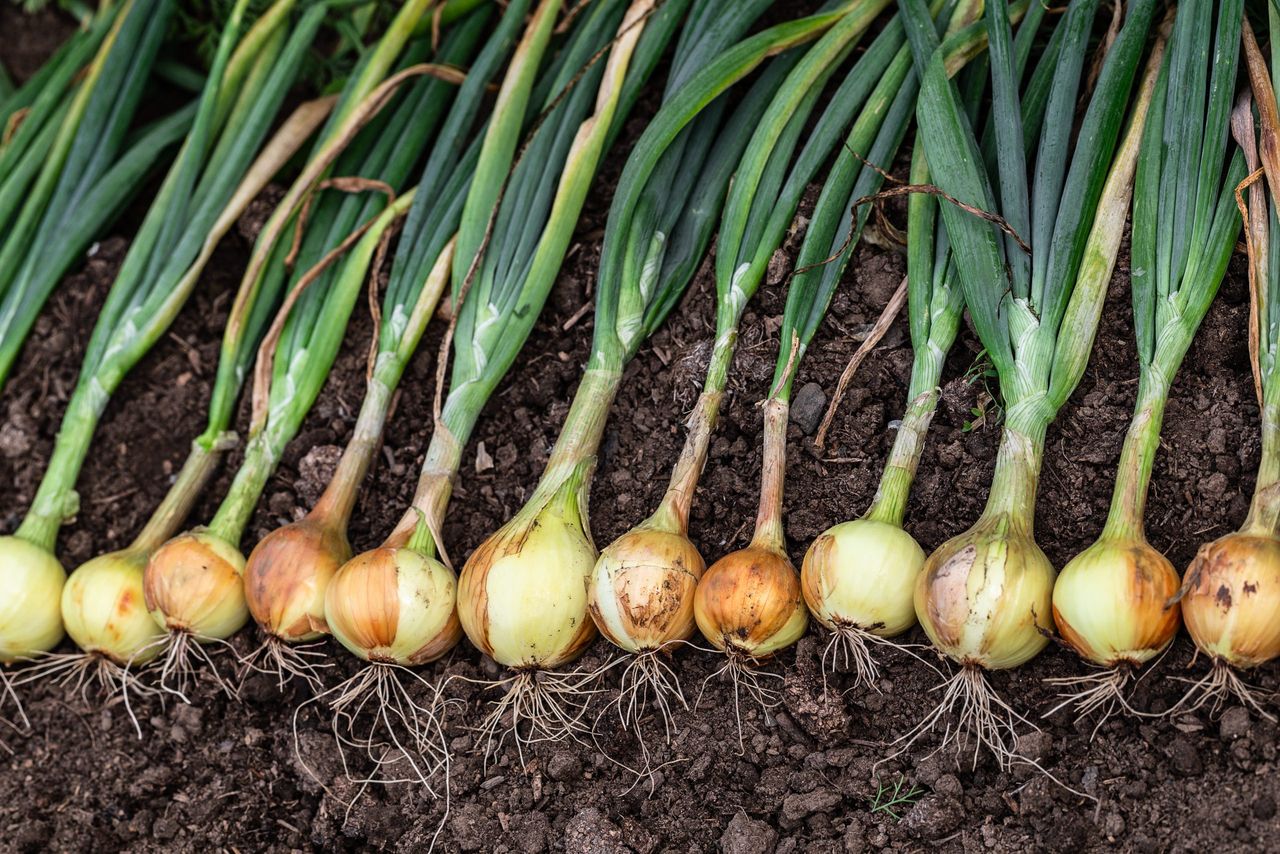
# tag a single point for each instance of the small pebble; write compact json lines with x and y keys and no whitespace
{"x":808,"y":407}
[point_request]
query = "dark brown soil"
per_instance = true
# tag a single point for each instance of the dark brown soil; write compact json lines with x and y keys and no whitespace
{"x":217,"y":775}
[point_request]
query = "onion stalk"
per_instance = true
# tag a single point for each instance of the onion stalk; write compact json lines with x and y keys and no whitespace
{"x":209,"y":185}
{"x":984,"y":597}
{"x":102,"y":604}
{"x":750,"y":603}
{"x":394,"y":605}
{"x":761,"y":202}
{"x":511,"y":278}
{"x":1111,"y":603}
{"x":1228,"y":596}
{"x":288,"y":572}
{"x":193,"y":583}
{"x":67,"y":174}
{"x":858,"y":577}
{"x":31,"y":114}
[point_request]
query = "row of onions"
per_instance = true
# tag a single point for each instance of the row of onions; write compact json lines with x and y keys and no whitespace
{"x":1024,"y":168}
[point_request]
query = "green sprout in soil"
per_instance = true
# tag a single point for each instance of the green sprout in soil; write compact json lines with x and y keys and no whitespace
{"x":890,"y":799}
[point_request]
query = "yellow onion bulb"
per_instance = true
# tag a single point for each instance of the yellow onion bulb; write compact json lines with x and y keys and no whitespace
{"x":394,"y":606}
{"x":750,"y":601}
{"x":984,"y":598}
{"x":1110,"y":603}
{"x":863,"y":574}
{"x":195,"y":583}
{"x":1232,"y":603}
{"x":287,"y":574}
{"x":105,"y":611}
{"x":31,"y":581}
{"x":522,"y":596}
{"x":641,"y":589}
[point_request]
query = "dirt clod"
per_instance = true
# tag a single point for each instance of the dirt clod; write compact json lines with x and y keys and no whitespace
{"x":933,"y":817}
{"x":745,"y":835}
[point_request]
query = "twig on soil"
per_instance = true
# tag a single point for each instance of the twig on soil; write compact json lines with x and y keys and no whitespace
{"x":891,"y":311}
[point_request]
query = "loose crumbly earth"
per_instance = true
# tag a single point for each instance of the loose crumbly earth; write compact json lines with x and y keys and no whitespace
{"x":218,"y":775}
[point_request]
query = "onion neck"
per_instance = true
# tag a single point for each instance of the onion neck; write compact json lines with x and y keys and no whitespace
{"x":1125,"y":520}
{"x":56,"y":499}
{"x":1264,"y":512}
{"x":890,"y":502}
{"x":339,"y":498}
{"x":769,"y":533}
{"x":181,"y":497}
{"x":420,"y":529}
{"x":1013,"y":486}
{"x":672,"y":514}
{"x":260,"y":459}
{"x":575,"y":450}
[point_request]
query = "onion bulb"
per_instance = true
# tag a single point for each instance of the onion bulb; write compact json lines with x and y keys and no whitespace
{"x":642,"y":589}
{"x":287,"y":574}
{"x":749,"y":601}
{"x":863,"y":574}
{"x":1232,"y":599}
{"x":984,"y":597}
{"x":31,"y":581}
{"x":522,"y":596}
{"x":1110,"y":603}
{"x":105,"y":611}
{"x":194,"y":583}
{"x":394,"y":606}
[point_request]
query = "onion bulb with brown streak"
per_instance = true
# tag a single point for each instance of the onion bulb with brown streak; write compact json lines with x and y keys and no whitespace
{"x":104,"y":609}
{"x":749,"y":603}
{"x":1232,"y":601}
{"x":1231,"y":605}
{"x":194,"y":585}
{"x":396,"y":604}
{"x":1231,"y":592}
{"x":1114,"y":603}
{"x":287,"y":575}
{"x":522,"y":596}
{"x":641,"y":590}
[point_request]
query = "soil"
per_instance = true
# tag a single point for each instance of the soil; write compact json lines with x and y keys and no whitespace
{"x":812,"y":774}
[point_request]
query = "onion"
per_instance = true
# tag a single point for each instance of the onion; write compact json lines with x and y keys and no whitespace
{"x":1232,"y":599}
{"x":522,"y":596}
{"x":862,"y":574}
{"x":642,"y":589}
{"x":287,"y":574}
{"x":985,"y":597}
{"x":750,"y":602}
{"x":394,"y":606}
{"x":194,"y":584}
{"x":1111,"y":603}
{"x":31,"y":581}
{"x":105,"y":612}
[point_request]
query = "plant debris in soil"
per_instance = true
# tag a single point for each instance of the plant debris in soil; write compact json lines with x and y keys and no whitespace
{"x":808,"y":775}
